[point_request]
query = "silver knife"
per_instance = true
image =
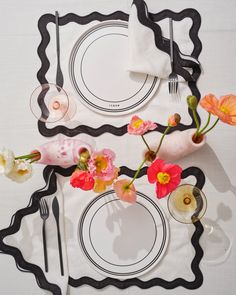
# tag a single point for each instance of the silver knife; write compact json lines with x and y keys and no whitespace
{"x":59,"y":75}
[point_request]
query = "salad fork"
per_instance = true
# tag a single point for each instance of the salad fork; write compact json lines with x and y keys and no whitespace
{"x":173,"y":78}
{"x":44,"y":213}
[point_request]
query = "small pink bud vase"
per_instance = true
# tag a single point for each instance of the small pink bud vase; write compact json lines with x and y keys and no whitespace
{"x":64,"y":153}
{"x":177,"y":145}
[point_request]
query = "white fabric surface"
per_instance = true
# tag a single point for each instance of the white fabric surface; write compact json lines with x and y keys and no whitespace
{"x":175,"y":263}
{"x":19,"y":38}
{"x":144,"y":56}
{"x":29,"y":240}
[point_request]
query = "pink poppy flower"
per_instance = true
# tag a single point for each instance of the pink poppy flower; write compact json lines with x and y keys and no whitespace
{"x":138,"y":127}
{"x":124,"y":191}
{"x":166,"y":176}
{"x":82,"y":179}
{"x":101,"y":165}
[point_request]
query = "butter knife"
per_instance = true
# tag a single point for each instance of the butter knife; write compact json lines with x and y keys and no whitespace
{"x":56,"y":213}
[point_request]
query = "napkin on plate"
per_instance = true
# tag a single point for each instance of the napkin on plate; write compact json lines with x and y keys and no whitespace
{"x":147,"y":40}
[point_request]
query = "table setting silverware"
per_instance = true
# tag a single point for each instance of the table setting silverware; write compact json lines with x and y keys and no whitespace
{"x":44,"y":214}
{"x":59,"y":75}
{"x":173,"y":78}
{"x":56,"y":213}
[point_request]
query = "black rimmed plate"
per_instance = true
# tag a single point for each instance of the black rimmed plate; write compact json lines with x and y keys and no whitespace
{"x":98,"y":71}
{"x":123,"y":240}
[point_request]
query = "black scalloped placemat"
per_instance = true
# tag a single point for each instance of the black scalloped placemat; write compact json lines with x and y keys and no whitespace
{"x":161,"y":42}
{"x":50,"y":188}
{"x":49,"y":173}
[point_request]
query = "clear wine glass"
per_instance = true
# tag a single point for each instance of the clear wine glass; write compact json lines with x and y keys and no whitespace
{"x":187,"y":204}
{"x":50,"y":103}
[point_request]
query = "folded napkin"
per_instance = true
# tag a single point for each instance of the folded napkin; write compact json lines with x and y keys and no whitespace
{"x":149,"y":49}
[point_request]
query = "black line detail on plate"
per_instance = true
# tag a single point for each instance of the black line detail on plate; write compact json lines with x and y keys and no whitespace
{"x":151,"y":262}
{"x":50,"y":188}
{"x":74,"y":52}
{"x":164,"y":46}
{"x":124,"y":265}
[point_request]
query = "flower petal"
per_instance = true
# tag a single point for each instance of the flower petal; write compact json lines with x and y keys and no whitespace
{"x":209,"y":103}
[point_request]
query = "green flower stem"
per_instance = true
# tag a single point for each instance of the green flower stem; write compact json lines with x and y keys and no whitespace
{"x":207,"y":123}
{"x":163,"y":135}
{"x":29,"y":156}
{"x":144,"y":140}
{"x":211,"y":127}
{"x":137,"y":172}
{"x":196,"y":121}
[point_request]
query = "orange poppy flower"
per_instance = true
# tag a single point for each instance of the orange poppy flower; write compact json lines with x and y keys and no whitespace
{"x":209,"y":103}
{"x":224,"y":108}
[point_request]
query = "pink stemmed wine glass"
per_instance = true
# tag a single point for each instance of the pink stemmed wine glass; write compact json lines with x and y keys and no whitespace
{"x":50,"y":103}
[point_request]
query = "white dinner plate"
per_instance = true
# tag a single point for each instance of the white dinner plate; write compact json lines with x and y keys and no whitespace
{"x":123,"y":240}
{"x":97,"y":69}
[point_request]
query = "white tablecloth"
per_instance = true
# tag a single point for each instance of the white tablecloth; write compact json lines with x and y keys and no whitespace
{"x":19,"y":63}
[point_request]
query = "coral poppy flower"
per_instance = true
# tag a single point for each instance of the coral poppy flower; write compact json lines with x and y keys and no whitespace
{"x":124,"y":191}
{"x":224,"y":108}
{"x":166,"y":176}
{"x":101,"y":165}
{"x":82,"y":179}
{"x":209,"y":103}
{"x":174,"y":120}
{"x":138,"y":127}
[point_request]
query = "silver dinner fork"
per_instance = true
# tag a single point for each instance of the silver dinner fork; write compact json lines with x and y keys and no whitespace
{"x":173,"y":78}
{"x":44,"y":213}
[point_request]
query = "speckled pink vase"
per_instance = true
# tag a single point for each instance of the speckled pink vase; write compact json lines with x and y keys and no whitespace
{"x":179,"y":144}
{"x":64,"y":153}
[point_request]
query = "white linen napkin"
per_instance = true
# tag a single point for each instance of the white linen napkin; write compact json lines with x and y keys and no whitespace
{"x":144,"y":55}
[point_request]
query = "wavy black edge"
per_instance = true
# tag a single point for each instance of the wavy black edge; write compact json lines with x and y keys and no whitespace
{"x":50,"y":178}
{"x":161,"y":42}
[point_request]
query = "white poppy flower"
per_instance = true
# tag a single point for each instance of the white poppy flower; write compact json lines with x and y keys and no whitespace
{"x":21,"y":171}
{"x":6,"y":161}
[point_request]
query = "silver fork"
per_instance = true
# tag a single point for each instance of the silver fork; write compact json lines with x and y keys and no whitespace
{"x":173,"y":78}
{"x":44,"y":213}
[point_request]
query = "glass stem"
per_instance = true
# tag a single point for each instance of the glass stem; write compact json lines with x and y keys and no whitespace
{"x":211,"y":127}
{"x":160,"y":143}
{"x":144,"y":140}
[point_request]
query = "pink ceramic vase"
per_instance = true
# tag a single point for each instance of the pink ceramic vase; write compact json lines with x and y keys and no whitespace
{"x":178,"y":144}
{"x":64,"y":153}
